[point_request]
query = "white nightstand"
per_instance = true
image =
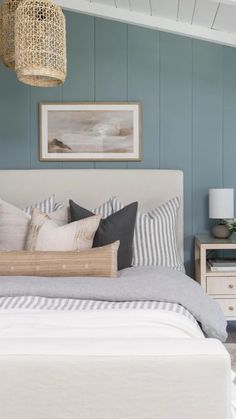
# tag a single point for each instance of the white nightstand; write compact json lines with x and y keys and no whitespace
{"x":219,"y":285}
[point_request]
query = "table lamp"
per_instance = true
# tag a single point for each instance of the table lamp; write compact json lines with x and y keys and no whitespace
{"x":221,"y":207}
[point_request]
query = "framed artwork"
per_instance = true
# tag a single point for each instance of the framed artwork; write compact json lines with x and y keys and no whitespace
{"x":90,"y":131}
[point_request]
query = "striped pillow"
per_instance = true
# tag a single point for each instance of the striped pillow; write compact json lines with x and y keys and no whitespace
{"x":155,"y":241}
{"x":47,"y":206}
{"x":58,"y":206}
{"x":104,"y":210}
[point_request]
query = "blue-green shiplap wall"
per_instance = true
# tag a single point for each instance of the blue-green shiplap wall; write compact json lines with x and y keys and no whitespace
{"x":188,"y":93}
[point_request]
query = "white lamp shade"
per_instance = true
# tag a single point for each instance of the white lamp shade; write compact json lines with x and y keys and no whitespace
{"x":221,"y":203}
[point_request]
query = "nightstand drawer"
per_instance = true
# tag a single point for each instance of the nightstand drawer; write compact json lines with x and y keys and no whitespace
{"x":228,"y":306}
{"x":221,"y":285}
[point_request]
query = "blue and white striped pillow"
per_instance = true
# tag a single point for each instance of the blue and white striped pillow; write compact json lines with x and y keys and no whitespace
{"x":47,"y":206}
{"x":105,"y":209}
{"x":155,"y":241}
{"x":58,"y":206}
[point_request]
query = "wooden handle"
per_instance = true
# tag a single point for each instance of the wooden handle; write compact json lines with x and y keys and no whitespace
{"x":231,"y":286}
{"x":231,"y":308}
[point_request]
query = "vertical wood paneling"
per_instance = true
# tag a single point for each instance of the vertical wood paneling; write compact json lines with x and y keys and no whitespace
{"x":187,"y":90}
{"x":207,"y":128}
{"x":229,"y":119}
{"x":14,"y":123}
{"x":176,"y":117}
{"x":37,"y":95}
{"x":143,"y":86}
{"x":79,"y":85}
{"x":110,"y":68}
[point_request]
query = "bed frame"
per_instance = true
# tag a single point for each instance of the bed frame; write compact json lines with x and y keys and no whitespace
{"x":92,"y":187}
{"x":127,"y":379}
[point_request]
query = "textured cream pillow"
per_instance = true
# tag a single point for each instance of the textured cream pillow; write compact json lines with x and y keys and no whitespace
{"x":99,"y":261}
{"x":14,"y":224}
{"x":13,"y":227}
{"x":45,"y":235}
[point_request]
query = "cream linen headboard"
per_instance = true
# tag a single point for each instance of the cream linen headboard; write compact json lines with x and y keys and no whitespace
{"x":92,"y":187}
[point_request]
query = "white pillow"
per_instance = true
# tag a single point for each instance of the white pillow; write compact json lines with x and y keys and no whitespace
{"x":155,"y":240}
{"x":44,"y":234}
{"x":14,"y":225}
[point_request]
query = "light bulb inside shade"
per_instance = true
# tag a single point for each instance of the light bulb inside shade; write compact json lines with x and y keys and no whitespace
{"x":221,"y":203}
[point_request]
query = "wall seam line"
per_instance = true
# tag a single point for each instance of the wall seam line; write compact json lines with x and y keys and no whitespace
{"x":159,"y":100}
{"x":127,"y":71}
{"x":30,"y":129}
{"x":94,"y":67}
{"x":192,"y":142}
{"x":223,"y":114}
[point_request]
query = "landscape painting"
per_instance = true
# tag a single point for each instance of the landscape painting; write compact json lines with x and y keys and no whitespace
{"x":89,"y":131}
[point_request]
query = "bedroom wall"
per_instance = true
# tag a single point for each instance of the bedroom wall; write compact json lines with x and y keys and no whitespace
{"x":188,"y":93}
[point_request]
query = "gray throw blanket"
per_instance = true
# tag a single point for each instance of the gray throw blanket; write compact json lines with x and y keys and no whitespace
{"x":133,"y":284}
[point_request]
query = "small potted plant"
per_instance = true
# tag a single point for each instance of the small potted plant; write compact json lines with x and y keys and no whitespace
{"x":231,"y":225}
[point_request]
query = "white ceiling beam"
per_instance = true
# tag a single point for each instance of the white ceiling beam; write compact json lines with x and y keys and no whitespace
{"x":204,"y":13}
{"x":140,"y":6}
{"x":153,"y":22}
{"x":230,"y":2}
{"x":186,"y":9}
{"x":123,"y":4}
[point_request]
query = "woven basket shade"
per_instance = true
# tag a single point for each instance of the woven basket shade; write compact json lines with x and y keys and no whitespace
{"x":8,"y":10}
{"x":40,"y":41}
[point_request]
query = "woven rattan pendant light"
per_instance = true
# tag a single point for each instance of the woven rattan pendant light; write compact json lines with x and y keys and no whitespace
{"x":40,"y":42}
{"x":8,"y":10}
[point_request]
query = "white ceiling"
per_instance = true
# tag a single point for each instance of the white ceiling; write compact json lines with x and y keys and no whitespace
{"x":210,"y":20}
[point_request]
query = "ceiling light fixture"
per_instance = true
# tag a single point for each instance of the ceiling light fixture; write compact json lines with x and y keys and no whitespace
{"x":40,"y":43}
{"x":8,"y":10}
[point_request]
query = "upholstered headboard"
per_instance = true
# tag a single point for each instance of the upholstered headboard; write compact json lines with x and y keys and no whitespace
{"x":92,"y":187}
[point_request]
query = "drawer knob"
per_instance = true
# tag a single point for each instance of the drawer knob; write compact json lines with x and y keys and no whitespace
{"x":231,"y":308}
{"x":231,"y":286}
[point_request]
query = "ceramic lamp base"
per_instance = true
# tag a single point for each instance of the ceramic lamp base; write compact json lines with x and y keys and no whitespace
{"x":221,"y":231}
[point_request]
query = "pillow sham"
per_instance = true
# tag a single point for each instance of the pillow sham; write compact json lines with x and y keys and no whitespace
{"x":58,"y":206}
{"x":104,"y":209}
{"x":118,"y":226}
{"x":155,"y":241}
{"x":44,"y":234}
{"x":14,"y":225}
{"x":98,"y":262}
{"x":47,"y":206}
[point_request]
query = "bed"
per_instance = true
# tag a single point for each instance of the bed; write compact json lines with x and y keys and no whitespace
{"x":127,"y":349}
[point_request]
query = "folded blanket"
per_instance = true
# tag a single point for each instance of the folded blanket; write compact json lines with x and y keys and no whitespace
{"x":133,"y":284}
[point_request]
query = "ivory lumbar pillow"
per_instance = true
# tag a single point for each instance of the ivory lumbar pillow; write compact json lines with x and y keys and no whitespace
{"x":45,"y":235}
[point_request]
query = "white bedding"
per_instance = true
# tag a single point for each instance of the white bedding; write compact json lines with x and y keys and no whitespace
{"x":107,"y":332}
{"x":110,"y":332}
{"x":42,"y":329}
{"x":96,"y":324}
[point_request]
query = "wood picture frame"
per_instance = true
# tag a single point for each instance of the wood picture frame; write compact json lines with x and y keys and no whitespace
{"x":77,"y":131}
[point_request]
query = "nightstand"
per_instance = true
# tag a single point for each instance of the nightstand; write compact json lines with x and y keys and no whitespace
{"x":219,"y":285}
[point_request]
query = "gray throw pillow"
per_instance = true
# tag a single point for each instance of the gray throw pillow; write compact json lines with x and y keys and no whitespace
{"x":118,"y":226}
